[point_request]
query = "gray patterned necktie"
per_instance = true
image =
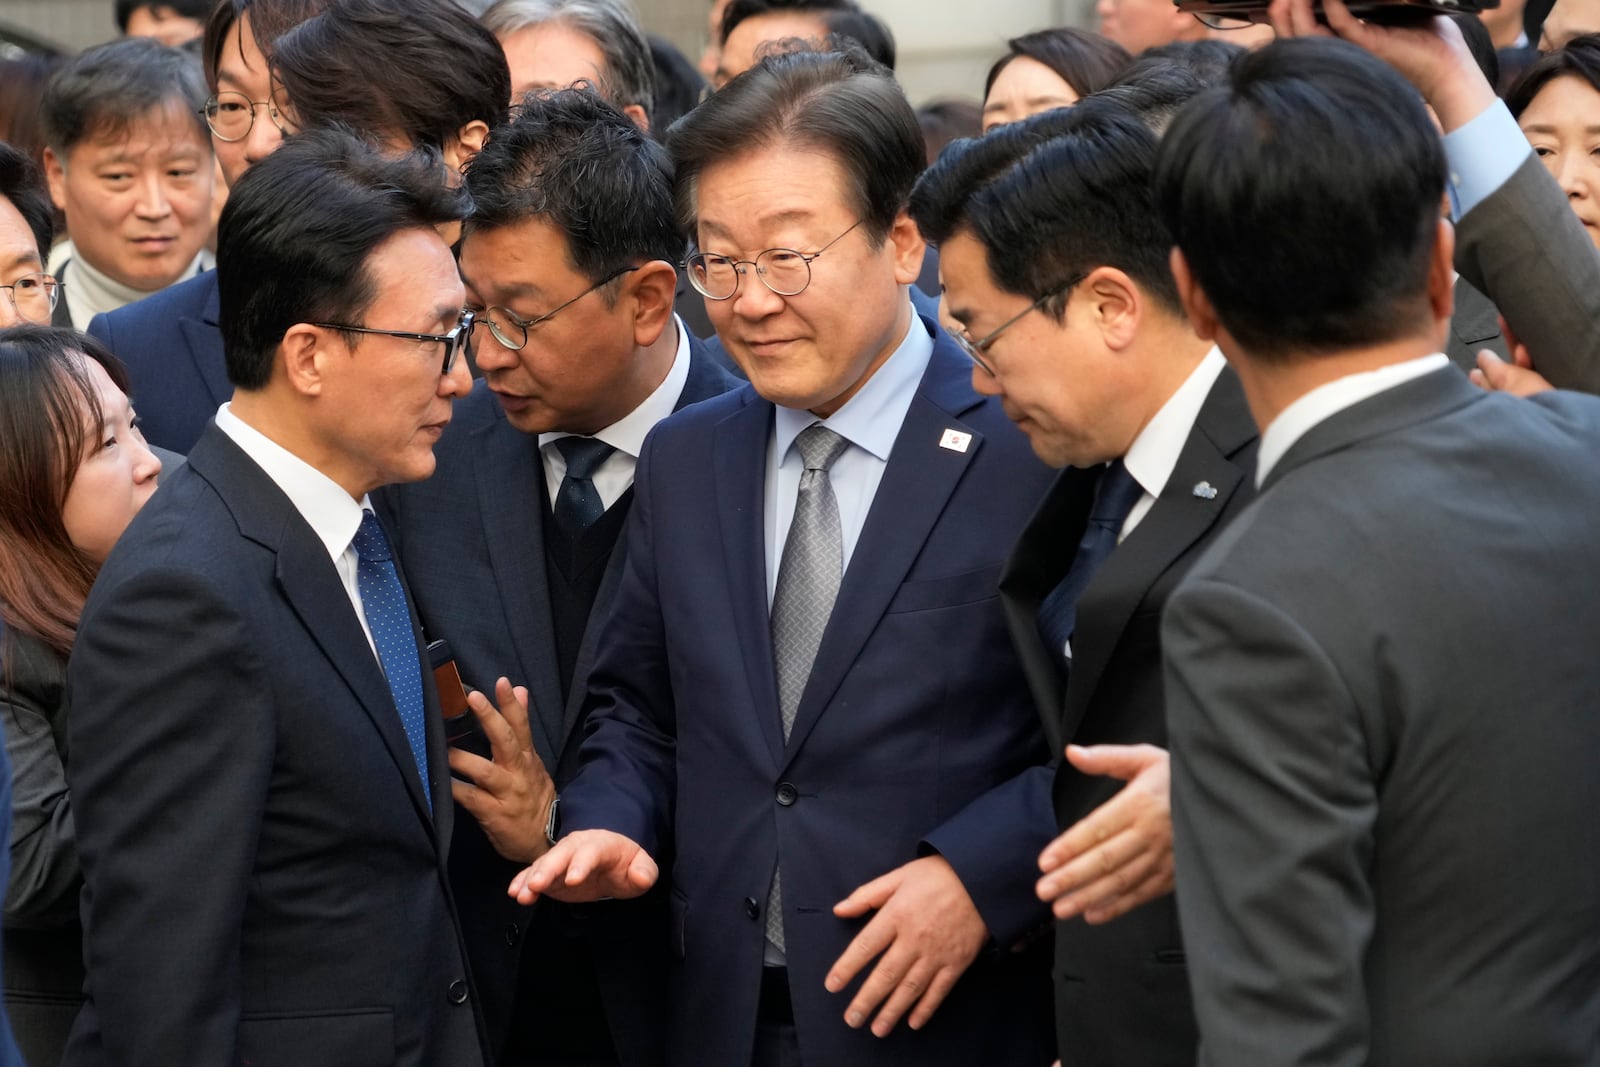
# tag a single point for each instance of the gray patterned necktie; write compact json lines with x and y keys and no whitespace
{"x":808,"y":583}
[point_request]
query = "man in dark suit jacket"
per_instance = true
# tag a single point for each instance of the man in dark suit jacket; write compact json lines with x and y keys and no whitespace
{"x":1381,"y":676}
{"x":258,"y":771}
{"x":1052,"y":256}
{"x":501,"y":574}
{"x":805,"y":693}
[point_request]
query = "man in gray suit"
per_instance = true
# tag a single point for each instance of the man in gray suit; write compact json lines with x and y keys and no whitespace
{"x":1380,"y":679}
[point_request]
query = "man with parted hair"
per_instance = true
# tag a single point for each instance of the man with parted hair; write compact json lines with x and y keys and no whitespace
{"x":1380,"y":679}
{"x":554,"y":44}
{"x":514,"y":544}
{"x":258,"y":776}
{"x":804,"y":710}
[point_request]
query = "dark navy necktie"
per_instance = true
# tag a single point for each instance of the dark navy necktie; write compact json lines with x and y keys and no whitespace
{"x":383,"y":601}
{"x":578,"y":503}
{"x":1114,"y":496}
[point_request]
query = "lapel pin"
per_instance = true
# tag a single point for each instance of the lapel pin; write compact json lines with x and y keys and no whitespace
{"x":955,"y":440}
{"x":1205,"y":491}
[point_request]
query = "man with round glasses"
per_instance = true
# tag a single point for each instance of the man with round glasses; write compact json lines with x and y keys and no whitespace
{"x":26,"y":225}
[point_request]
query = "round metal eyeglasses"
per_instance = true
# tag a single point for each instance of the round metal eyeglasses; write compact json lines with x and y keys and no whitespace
{"x":34,"y":296}
{"x":231,"y":116}
{"x":782,"y":270}
{"x":511,"y":330}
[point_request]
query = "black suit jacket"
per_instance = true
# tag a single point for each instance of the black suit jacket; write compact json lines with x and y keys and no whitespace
{"x":472,"y":538}
{"x":1122,"y":994}
{"x":265,"y":883}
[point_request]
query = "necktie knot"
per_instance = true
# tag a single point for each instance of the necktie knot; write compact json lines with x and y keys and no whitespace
{"x":819,"y":447}
{"x":583,"y":455}
{"x":369,"y":542}
{"x":1115,"y":496}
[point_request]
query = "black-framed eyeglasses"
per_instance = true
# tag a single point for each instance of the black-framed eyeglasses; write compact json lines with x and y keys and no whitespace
{"x":1242,"y":20}
{"x":511,"y":330}
{"x":231,"y":115}
{"x":453,"y":342}
{"x":977,"y":350}
{"x":785,"y":271}
{"x":34,"y":296}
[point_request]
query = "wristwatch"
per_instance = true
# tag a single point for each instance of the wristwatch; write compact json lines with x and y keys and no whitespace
{"x":552,"y":822}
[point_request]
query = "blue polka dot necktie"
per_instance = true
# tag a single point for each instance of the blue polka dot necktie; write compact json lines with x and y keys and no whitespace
{"x":383,"y":601}
{"x":578,"y":503}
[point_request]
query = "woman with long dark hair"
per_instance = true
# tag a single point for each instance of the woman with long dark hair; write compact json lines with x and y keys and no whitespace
{"x":74,"y":470}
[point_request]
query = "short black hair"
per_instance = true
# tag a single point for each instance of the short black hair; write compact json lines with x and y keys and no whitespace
{"x":189,"y":9}
{"x":1209,"y":60}
{"x":1084,"y":60}
{"x":868,"y":31}
{"x":1305,"y":197}
{"x":1579,"y":58}
{"x":115,"y":85}
{"x":269,"y":20}
{"x":421,"y":70}
{"x":298,"y":229}
{"x":574,"y":160}
{"x":740,"y":10}
{"x":23,"y":185}
{"x":843,"y":103}
{"x":1076,"y":198}
{"x":1155,"y":89}
{"x":679,"y":85}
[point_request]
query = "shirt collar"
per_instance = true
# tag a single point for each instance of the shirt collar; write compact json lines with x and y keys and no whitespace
{"x":1154,"y":453}
{"x":871,"y":419}
{"x":330,"y":511}
{"x":627,"y":434}
{"x":1327,"y":400}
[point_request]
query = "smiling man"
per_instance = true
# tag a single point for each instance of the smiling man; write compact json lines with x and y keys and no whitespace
{"x":805,"y":696}
{"x":129,"y":163}
{"x":258,"y":774}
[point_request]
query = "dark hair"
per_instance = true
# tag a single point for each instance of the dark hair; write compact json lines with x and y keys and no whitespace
{"x":1208,"y":60}
{"x":22,"y":81}
{"x":868,"y":31}
{"x":629,"y":75}
{"x":296,"y":234}
{"x":1305,"y":197}
{"x":1155,"y":89}
{"x":679,"y":85}
{"x":944,"y":121}
{"x":109,"y":88}
{"x":1052,"y":203}
{"x":1579,"y":58}
{"x":1480,"y":44}
{"x":842,"y":103}
{"x":189,"y":9}
{"x":23,"y":185}
{"x":575,"y":161}
{"x":420,"y":70}
{"x":740,"y":10}
{"x":46,"y":400}
{"x":1084,"y":60}
{"x":269,"y":20}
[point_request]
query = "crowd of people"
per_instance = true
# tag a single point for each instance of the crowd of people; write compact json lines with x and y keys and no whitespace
{"x":517,"y":551}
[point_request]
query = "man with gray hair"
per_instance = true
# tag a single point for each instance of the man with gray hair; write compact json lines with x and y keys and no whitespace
{"x":553,"y":44}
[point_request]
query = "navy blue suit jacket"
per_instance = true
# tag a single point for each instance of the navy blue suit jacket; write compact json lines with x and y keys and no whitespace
{"x":916,"y":731}
{"x":472,"y":540}
{"x":172,"y":348}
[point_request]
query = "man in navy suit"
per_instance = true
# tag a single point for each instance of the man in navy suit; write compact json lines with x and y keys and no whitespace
{"x":582,"y":356}
{"x":258,"y":773}
{"x":805,"y":708}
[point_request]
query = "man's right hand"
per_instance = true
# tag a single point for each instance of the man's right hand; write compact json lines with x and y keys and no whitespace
{"x":588,"y":865}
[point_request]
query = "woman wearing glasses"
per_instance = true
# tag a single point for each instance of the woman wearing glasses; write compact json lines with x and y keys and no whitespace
{"x":73,"y":472}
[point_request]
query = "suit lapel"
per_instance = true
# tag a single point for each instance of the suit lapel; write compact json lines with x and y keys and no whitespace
{"x":204,"y":347}
{"x":511,"y":499}
{"x":916,"y":485}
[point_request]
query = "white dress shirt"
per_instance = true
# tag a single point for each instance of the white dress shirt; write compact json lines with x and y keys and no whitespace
{"x":333,"y":514}
{"x":614,"y":476}
{"x":870,"y":421}
{"x":1325,"y":401}
{"x":1154,"y":453}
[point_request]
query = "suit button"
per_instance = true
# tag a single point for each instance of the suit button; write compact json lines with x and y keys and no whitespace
{"x":752,"y":908}
{"x":457,"y":993}
{"x":512,"y":930}
{"x":787,"y":794}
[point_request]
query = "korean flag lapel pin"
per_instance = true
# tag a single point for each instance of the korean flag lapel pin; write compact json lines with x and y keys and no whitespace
{"x":955,"y":440}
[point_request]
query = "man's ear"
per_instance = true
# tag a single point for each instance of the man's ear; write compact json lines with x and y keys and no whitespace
{"x":909,"y":249}
{"x":468,"y":142}
{"x":304,"y":352}
{"x":653,"y":288}
{"x":1442,"y":272}
{"x":640,"y":117}
{"x":1116,"y":304}
{"x":55,"y":175}
{"x":1195,"y":302}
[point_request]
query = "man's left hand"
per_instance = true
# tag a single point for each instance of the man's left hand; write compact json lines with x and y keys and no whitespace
{"x":510,"y":796}
{"x":926,"y":934}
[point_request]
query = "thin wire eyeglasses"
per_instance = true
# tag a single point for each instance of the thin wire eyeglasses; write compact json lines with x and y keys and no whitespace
{"x":785,"y":271}
{"x":976,"y":350}
{"x":514,"y":335}
{"x":34,"y":296}
{"x":231,"y":115}
{"x":453,"y":342}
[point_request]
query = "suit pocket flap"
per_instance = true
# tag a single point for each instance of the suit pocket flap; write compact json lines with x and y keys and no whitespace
{"x":967,"y":588}
{"x":350,"y":1038}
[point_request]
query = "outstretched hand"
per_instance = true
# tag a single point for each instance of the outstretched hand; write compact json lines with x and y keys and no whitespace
{"x":587,"y":865}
